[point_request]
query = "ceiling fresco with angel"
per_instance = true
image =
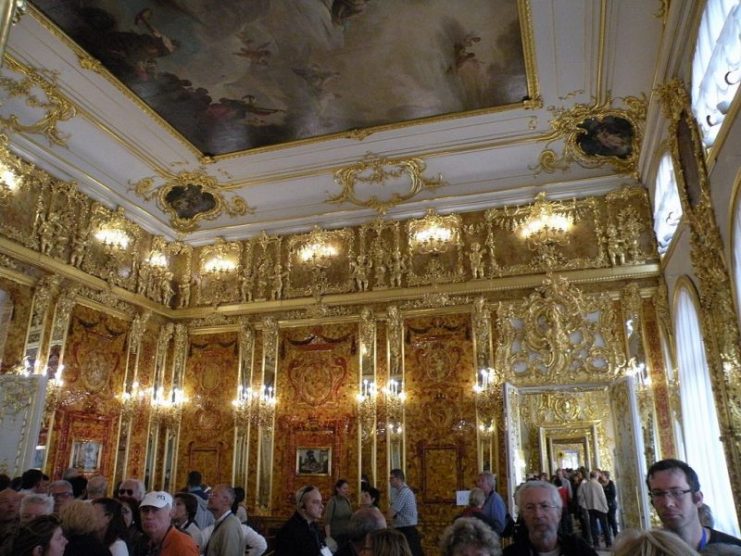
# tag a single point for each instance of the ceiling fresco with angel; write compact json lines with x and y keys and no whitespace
{"x":242,"y":74}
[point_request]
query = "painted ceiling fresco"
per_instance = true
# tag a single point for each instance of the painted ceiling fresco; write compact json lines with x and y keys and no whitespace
{"x":240,"y":74}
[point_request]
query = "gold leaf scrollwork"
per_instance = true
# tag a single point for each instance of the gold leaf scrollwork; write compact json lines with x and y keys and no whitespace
{"x":582,"y":122}
{"x":57,"y":108}
{"x":375,"y":170}
{"x":189,"y":197}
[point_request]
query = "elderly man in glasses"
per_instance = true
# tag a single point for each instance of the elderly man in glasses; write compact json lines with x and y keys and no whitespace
{"x":539,"y":505}
{"x":675,"y":493}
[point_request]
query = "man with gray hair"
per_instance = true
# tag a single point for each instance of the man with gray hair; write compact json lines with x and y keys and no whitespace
{"x":539,"y":504}
{"x":362,"y":522}
{"x":493,"y":508}
{"x":62,"y":493}
{"x":133,"y":488}
{"x":33,"y":505}
{"x":97,"y":487}
{"x":226,"y":538}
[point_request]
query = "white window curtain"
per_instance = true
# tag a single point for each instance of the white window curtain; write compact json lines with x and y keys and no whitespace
{"x":702,"y":434}
{"x":716,"y":65}
{"x":667,"y":205}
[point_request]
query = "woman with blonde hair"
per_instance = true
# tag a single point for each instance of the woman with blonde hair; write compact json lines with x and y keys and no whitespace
{"x":80,"y":525}
{"x":655,"y":542}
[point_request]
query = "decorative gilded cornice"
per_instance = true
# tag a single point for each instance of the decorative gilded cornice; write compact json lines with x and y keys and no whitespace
{"x":56,"y":107}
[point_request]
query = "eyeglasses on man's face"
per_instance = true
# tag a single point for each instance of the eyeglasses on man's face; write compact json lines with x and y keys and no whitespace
{"x":671,"y":494}
{"x":543,"y":507}
{"x":126,"y":492}
{"x":61,"y":494}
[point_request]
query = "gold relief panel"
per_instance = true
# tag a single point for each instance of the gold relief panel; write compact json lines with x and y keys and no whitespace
{"x":383,"y":173}
{"x":558,"y":335}
{"x":22,"y":299}
{"x":26,"y":82}
{"x":435,"y":249}
{"x":189,"y":197}
{"x":318,"y":262}
{"x":114,"y":246}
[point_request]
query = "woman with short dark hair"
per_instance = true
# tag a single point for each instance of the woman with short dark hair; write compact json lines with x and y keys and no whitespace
{"x":186,"y":506}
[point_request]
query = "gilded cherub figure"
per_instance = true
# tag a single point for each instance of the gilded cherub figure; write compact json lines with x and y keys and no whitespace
{"x":397,"y":267}
{"x":476,"y":258}
{"x":278,"y":275}
{"x":615,"y":246}
{"x":359,"y":269}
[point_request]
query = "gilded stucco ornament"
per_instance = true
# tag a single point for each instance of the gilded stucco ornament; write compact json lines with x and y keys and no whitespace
{"x":560,"y":335}
{"x":56,"y":107}
{"x":188,"y":197}
{"x":379,"y":171}
{"x":596,"y":135}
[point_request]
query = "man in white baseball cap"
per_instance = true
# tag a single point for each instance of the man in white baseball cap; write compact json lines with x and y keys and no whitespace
{"x":162,"y":538}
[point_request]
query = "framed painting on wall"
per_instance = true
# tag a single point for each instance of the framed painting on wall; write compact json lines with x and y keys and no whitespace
{"x":86,"y":455}
{"x":313,"y":461}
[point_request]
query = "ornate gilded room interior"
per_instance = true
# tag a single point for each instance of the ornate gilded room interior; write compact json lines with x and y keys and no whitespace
{"x":404,"y":235}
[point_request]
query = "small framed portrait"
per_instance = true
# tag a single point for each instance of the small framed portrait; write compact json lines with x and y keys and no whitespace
{"x":86,"y":455}
{"x":313,"y":461}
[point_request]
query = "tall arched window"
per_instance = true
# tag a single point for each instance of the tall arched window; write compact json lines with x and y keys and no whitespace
{"x":667,"y":205}
{"x":716,"y":65}
{"x":702,"y":433}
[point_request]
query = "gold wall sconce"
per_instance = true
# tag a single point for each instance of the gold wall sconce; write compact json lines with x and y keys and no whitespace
{"x":255,"y":407}
{"x":546,"y":223}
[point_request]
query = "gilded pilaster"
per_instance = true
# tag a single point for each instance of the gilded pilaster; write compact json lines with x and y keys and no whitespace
{"x":242,"y":412}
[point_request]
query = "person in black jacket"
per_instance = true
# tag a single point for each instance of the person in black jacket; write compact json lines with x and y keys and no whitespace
{"x":540,"y":504}
{"x":301,"y":535}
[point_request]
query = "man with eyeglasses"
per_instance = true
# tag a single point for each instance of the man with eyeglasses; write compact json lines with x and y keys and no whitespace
{"x":675,"y":493}
{"x":539,"y":504}
{"x":301,"y":535}
{"x":62,"y":493}
{"x":133,"y":488}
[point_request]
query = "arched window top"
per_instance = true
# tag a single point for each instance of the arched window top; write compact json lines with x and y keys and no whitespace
{"x":667,"y":205}
{"x":715,"y":66}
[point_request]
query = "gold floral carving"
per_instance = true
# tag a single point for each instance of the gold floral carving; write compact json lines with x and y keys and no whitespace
{"x":186,"y":181}
{"x":57,"y":108}
{"x":559,"y":335}
{"x":566,"y":126}
{"x":378,"y":171}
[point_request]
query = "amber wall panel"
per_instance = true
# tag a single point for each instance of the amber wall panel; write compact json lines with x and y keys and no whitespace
{"x":440,"y":416}
{"x":95,"y":363}
{"x":317,"y":384}
{"x":207,"y":428}
{"x":655,"y":362}
{"x":22,"y":297}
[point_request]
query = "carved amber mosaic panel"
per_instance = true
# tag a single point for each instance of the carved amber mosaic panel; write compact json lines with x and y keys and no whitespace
{"x":208,"y":422}
{"x":440,"y":414}
{"x":95,"y":359}
{"x":316,"y":385}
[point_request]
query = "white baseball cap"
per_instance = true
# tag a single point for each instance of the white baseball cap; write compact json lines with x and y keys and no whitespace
{"x":157,"y":498}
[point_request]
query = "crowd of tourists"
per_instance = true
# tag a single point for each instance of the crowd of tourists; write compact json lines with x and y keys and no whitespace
{"x":572,"y":513}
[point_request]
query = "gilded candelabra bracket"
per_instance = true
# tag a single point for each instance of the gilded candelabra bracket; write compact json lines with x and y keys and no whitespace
{"x":28,"y":82}
{"x":189,"y":197}
{"x":12,"y":173}
{"x":386,"y":173}
{"x":596,"y":135}
{"x":318,"y":262}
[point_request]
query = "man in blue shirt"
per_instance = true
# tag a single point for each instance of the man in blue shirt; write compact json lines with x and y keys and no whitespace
{"x":494,"y":507}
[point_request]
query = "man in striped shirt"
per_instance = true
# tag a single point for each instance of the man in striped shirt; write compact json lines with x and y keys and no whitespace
{"x":403,"y":510}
